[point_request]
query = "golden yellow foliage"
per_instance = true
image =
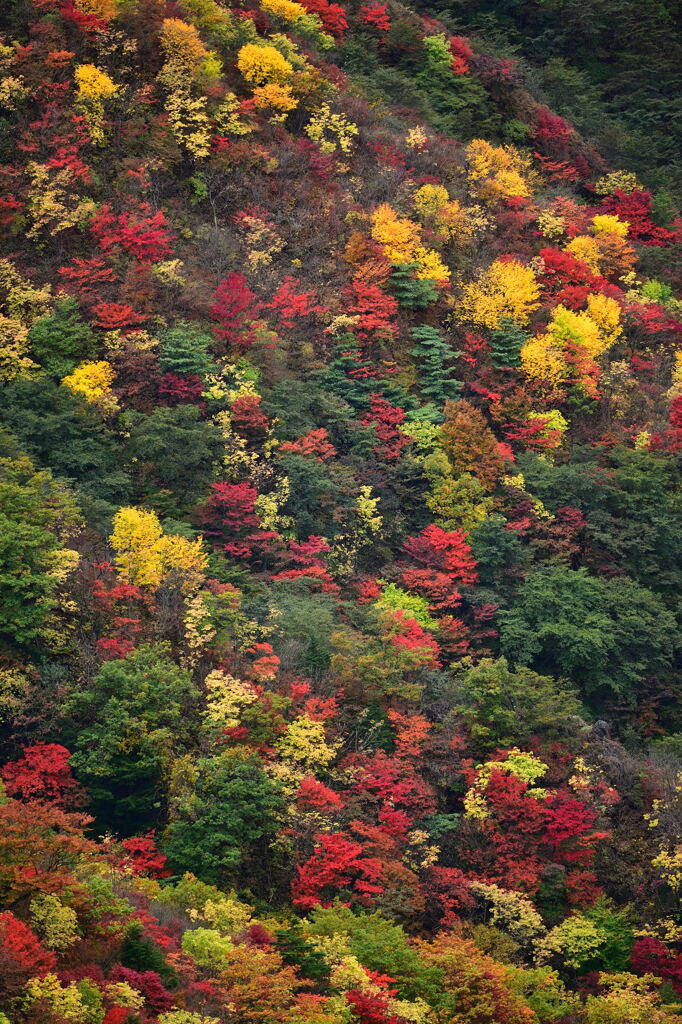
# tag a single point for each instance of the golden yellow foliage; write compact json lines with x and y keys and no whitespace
{"x":189,"y":122}
{"x":496,"y":172}
{"x":450,"y":220}
{"x":551,"y":225}
{"x":227,"y":118}
{"x":261,"y":64}
{"x":55,"y":203}
{"x":609,"y":224}
{"x":506,"y":289}
{"x":606,"y":314}
{"x":94,"y":87}
{"x":398,"y":235}
{"x":181,"y":41}
{"x":287,"y":10}
{"x":93,"y":380}
{"x":226,"y":697}
{"x":147,"y":557}
{"x":586,"y":335}
{"x":585,"y":248}
{"x":626,"y":181}
{"x":331,"y":131}
{"x":276,"y":98}
{"x":14,"y":361}
{"x":400,"y":239}
{"x":542,"y":361}
{"x":105,"y":10}
{"x":416,"y":138}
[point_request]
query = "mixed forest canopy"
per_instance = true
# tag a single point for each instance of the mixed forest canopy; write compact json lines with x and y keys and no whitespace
{"x":340,"y":512}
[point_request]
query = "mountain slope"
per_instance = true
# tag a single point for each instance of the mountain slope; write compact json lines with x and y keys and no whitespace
{"x":340,"y":564}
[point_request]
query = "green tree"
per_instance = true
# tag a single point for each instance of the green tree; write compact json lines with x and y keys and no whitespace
{"x":37,"y":515}
{"x":173,"y":450}
{"x":410,"y":291}
{"x":185,"y":349}
{"x":431,"y":353}
{"x":61,"y":339}
{"x":60,"y":432}
{"x":504,"y":709}
{"x":605,"y":635}
{"x":506,"y":343}
{"x":379,"y":945}
{"x":126,"y":725}
{"x":222,"y":834}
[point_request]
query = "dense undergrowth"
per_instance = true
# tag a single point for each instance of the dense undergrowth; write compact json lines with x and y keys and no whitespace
{"x":340,"y":548}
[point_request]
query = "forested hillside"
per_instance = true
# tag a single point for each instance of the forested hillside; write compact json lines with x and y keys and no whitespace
{"x":340,"y":513}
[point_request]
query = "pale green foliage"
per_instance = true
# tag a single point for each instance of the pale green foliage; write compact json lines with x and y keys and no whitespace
{"x":56,"y":923}
{"x":209,"y":948}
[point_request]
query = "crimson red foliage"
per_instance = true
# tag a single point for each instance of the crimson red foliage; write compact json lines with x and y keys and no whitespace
{"x":143,"y":858}
{"x":180,"y":389}
{"x":315,"y":443}
{"x":409,"y":634}
{"x":385,"y":419}
{"x":375,"y":309}
{"x":650,"y":956}
{"x":22,"y":955}
{"x":370,"y":1009}
{"x":248,"y":418}
{"x":141,"y":233}
{"x":314,"y":795}
{"x":234,"y":308}
{"x":82,"y":276}
{"x":117,"y":1015}
{"x":332,"y":16}
{"x":635,"y":208}
{"x":43,"y":773}
{"x":550,"y":130}
{"x":115,"y":316}
{"x":446,"y":551}
{"x":337,"y":863}
{"x":375,"y":15}
{"x":149,"y":984}
{"x":382,"y":779}
{"x":291,"y":305}
{"x":461,"y":54}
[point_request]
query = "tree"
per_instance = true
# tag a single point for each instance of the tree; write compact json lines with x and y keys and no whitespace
{"x":185,"y":349}
{"x":411,"y":291}
{"x":173,"y":450}
{"x":223,"y":833}
{"x":605,"y":635}
{"x":22,"y":956}
{"x":148,"y":557}
{"x":37,"y":515}
{"x":506,"y":343}
{"x":385,"y":420}
{"x":504,"y":708}
{"x":62,"y":433}
{"x":42,"y":773}
{"x":474,"y":986}
{"x":431,"y":352}
{"x":61,"y":339}
{"x":235,"y":308}
{"x":125,"y":726}
{"x":470,"y":444}
{"x":506,"y":289}
{"x":338,"y":864}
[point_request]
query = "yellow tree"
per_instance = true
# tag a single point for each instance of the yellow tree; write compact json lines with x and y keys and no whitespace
{"x":506,"y":289}
{"x":147,"y":557}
